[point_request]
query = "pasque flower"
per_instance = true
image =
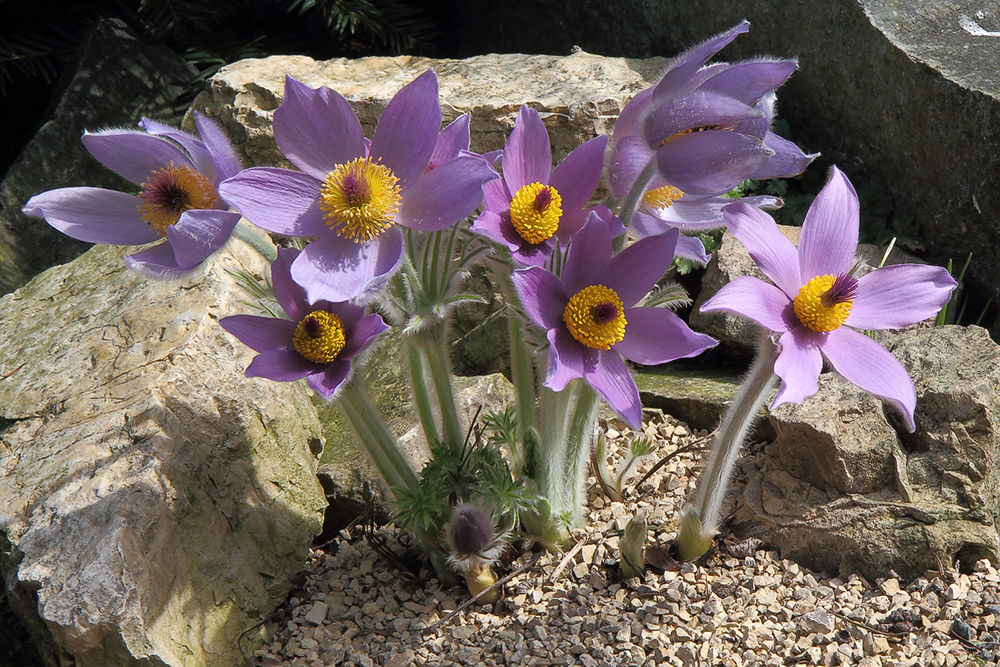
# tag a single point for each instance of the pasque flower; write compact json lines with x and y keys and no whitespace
{"x":354,"y":194}
{"x":533,"y":205}
{"x":590,"y":319}
{"x":706,"y":127}
{"x":178,"y":202}
{"x":318,"y":343}
{"x":816,"y":301}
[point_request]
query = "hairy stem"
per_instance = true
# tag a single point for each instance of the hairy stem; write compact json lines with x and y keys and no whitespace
{"x":433,"y":345}
{"x":635,"y":193}
{"x":421,"y":397}
{"x":256,"y":239}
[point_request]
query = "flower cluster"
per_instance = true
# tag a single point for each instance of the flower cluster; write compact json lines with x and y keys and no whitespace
{"x":382,"y":229}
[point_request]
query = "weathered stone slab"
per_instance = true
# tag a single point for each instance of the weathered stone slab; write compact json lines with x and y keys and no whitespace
{"x":117,"y":80}
{"x":840,"y":490}
{"x":154,"y":500}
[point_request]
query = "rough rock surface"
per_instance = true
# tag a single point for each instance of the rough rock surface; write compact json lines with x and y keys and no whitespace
{"x":841,"y":491}
{"x":578,"y":96}
{"x":730,"y":261}
{"x":154,"y":499}
{"x":118,"y":79}
{"x":907,"y":90}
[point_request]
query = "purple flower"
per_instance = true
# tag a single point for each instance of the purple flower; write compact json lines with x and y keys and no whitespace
{"x":318,"y":342}
{"x":353,"y":194}
{"x":590,"y":318}
{"x":815,"y":298}
{"x":533,"y":205}
{"x":707,"y":127}
{"x":178,"y":201}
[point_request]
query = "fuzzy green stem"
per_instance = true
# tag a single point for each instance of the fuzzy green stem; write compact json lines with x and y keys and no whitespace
{"x":375,"y":437}
{"x":578,"y":440}
{"x":700,"y":520}
{"x":421,"y":398}
{"x":433,"y":347}
{"x":259,"y":242}
{"x":635,"y":193}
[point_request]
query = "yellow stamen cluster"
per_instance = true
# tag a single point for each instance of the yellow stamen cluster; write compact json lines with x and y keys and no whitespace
{"x":595,"y":316}
{"x":169,"y":192}
{"x":319,"y":337}
{"x":816,"y":312}
{"x":535,"y":211}
{"x":359,"y":199}
{"x":662,"y":197}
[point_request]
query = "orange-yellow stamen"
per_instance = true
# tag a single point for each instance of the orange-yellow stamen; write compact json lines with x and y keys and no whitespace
{"x":535,"y":211}
{"x":595,"y":316}
{"x":359,"y":199}
{"x":661,"y":198}
{"x":825,"y":302}
{"x":319,"y":337}
{"x":169,"y":192}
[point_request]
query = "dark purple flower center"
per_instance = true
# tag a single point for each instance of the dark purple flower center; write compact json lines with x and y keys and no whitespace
{"x":604,"y":312}
{"x":355,"y":189}
{"x":171,"y":191}
{"x":311,"y":326}
{"x":542,"y":200}
{"x":843,"y":290}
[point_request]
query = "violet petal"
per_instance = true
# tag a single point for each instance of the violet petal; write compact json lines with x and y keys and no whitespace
{"x":565,"y":359}
{"x":576,"y":176}
{"x":829,"y":238}
{"x":94,"y":215}
{"x":260,"y":334}
{"x":277,"y":200}
{"x":770,"y":250}
{"x":445,"y":195}
{"x":798,"y":365}
{"x":657,"y":336}
{"x":710,"y":162}
{"x":754,"y":299}
{"x":283,"y":365}
{"x":197,"y":234}
{"x":541,"y":295}
{"x":527,"y":156}
{"x":328,"y":381}
{"x":408,"y":129}
{"x":338,"y":269}
{"x":132,"y":154}
{"x":633,"y":272}
{"x":897,"y":296}
{"x":605,"y":371}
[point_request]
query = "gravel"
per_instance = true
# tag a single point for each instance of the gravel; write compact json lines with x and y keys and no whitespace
{"x":744,"y":606}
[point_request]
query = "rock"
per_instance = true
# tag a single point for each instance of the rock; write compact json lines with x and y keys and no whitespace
{"x":843,"y":491}
{"x":154,"y":499}
{"x":579,"y":96}
{"x":815,"y":621}
{"x":864,"y":66}
{"x":118,"y":79}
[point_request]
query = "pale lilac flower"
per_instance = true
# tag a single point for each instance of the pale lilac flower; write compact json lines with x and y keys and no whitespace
{"x":354,"y":194}
{"x":319,"y":342}
{"x":590,"y":319}
{"x":534,"y":206}
{"x":815,"y":300}
{"x":178,"y":201}
{"x":707,"y":127}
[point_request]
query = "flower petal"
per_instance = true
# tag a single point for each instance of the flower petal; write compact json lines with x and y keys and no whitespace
{"x":496,"y":197}
{"x":527,"y":156}
{"x":570,"y":223}
{"x":754,"y":299}
{"x":408,"y":129}
{"x":829,"y":238}
{"x":195,"y":147}
{"x":678,"y":77}
{"x":588,"y":258}
{"x":751,"y":80}
{"x":197,"y":234}
{"x":870,"y":366}
{"x":773,"y":253}
{"x":94,"y":215}
{"x":260,"y":333}
{"x":897,"y":296}
{"x":658,"y":336}
{"x":317,"y":129}
{"x":452,"y":139}
{"x":798,"y":365}
{"x":445,"y":195}
{"x":133,"y":154}
{"x":289,"y":294}
{"x":692,"y":249}
{"x":710,"y":162}
{"x":338,"y":269}
{"x":694,"y":110}
{"x":633,"y":272}
{"x":605,"y":371}
{"x":576,"y":176}
{"x":632,"y":117}
{"x":361,"y":335}
{"x":284,"y":365}
{"x":565,"y":359}
{"x":788,"y":159}
{"x":156,"y":262}
{"x":223,"y":155}
{"x":629,"y":157}
{"x":542,"y":296}
{"x":328,"y":381}
{"x":278,"y":200}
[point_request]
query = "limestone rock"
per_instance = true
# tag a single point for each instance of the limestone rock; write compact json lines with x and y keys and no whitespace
{"x":907,"y":90}
{"x":839,"y":490}
{"x":154,"y":499}
{"x":118,"y":79}
{"x":578,"y":96}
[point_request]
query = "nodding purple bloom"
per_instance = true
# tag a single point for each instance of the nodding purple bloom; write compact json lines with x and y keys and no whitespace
{"x":354,"y":194}
{"x":706,"y":126}
{"x":533,"y":206}
{"x":590,"y":318}
{"x":815,"y":298}
{"x":318,"y":342}
{"x":178,"y":202}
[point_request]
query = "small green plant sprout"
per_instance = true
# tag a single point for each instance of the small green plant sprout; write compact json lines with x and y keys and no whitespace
{"x":633,"y":542}
{"x":613,"y":484}
{"x":262,"y":293}
{"x":954,"y":311}
{"x":474,"y":545}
